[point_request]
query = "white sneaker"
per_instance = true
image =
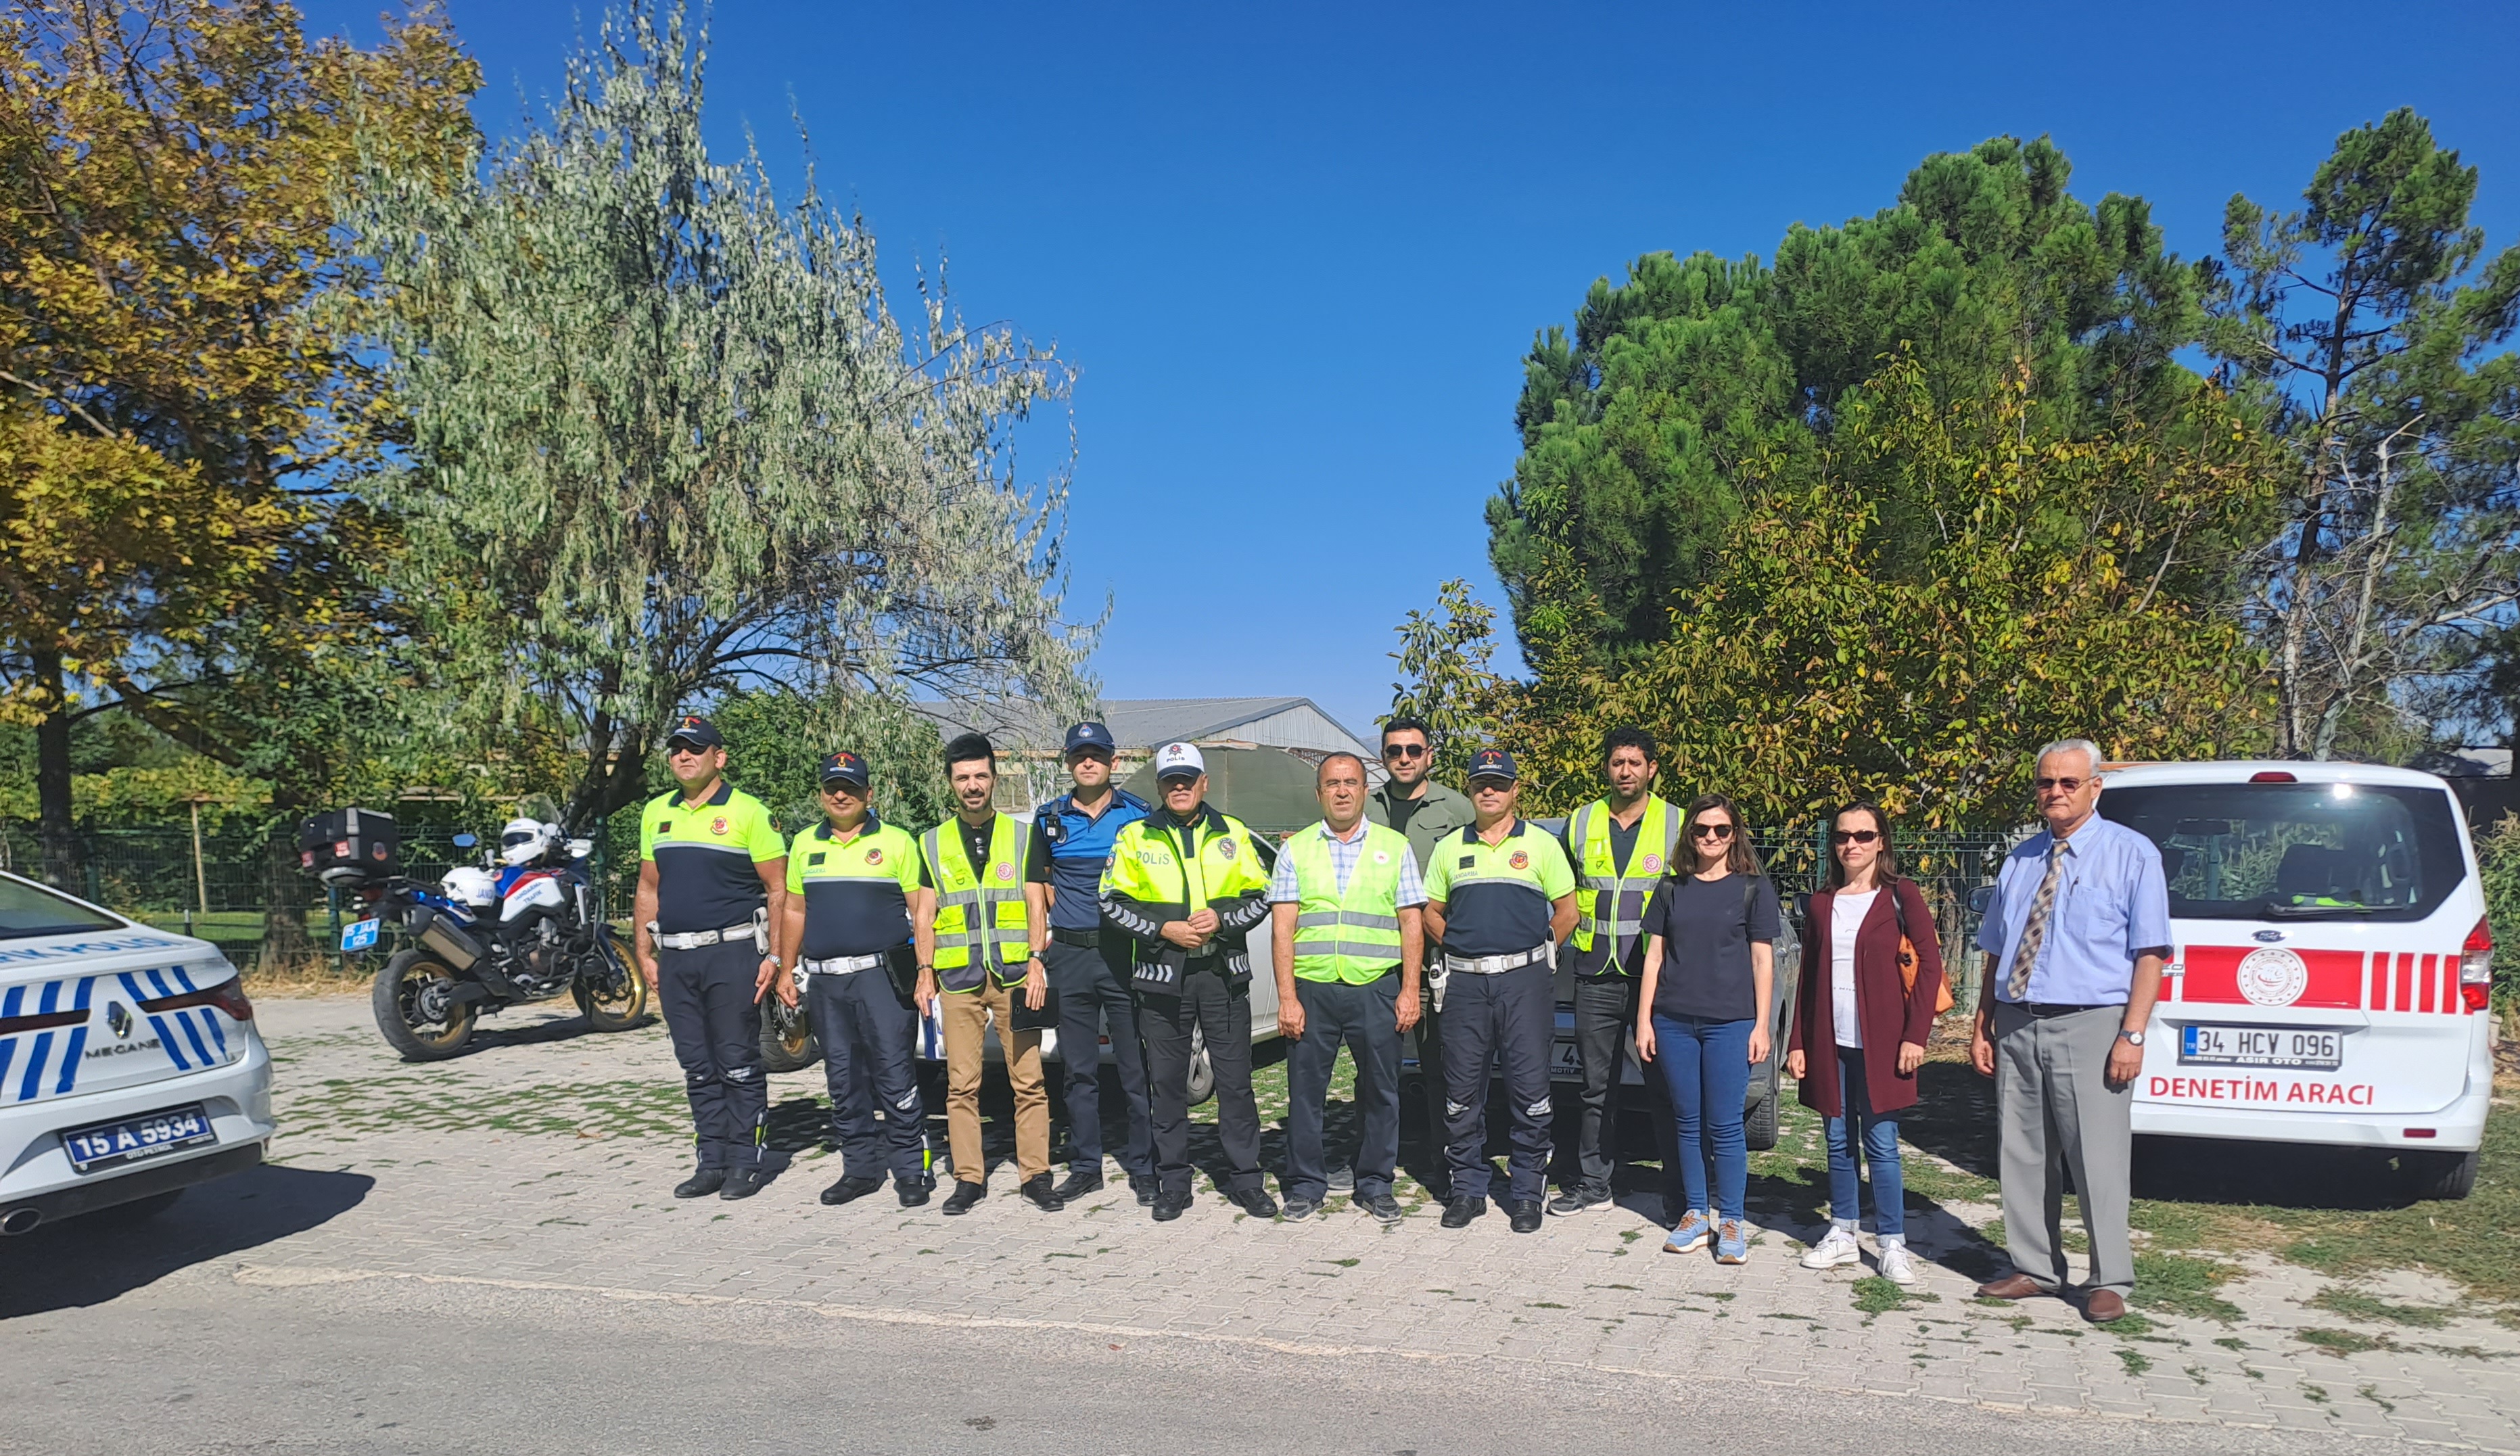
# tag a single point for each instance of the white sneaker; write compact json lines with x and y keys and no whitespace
{"x":1899,"y":1266}
{"x":1837,"y":1248}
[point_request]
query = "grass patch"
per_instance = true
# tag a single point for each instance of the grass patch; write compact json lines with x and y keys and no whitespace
{"x":1874,"y":1295}
{"x":2341,"y":1342}
{"x":2184,"y":1284}
{"x":2373,"y":1393}
{"x":2354,"y":1305}
{"x":2134,"y":1361}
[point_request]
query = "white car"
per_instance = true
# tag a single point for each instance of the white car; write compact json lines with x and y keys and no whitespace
{"x":2331,"y":965}
{"x":129,"y":1068}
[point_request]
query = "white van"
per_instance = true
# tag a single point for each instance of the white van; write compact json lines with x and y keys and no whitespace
{"x":129,"y":1068}
{"x":2331,"y":965}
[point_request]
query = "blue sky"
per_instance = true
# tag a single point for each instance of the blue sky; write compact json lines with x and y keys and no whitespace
{"x":1296,"y":252}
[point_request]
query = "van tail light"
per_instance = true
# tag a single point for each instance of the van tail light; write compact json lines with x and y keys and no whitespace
{"x":2476,"y":967}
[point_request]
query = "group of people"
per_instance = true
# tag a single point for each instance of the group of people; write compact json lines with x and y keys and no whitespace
{"x":1408,"y":912}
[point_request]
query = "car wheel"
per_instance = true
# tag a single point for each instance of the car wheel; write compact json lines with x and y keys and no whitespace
{"x":415,"y":1009}
{"x":1759,"y":1121}
{"x":2438,"y":1175}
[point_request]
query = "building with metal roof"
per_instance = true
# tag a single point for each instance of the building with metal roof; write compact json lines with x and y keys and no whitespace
{"x":1028,"y":745}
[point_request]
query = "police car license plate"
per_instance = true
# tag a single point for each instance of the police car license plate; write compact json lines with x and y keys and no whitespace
{"x":1566,"y":1064}
{"x":135,"y":1139}
{"x":2261,"y":1046}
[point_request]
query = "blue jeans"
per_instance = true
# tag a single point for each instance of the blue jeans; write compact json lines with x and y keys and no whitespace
{"x":1707,"y":1067}
{"x":1880,"y":1134}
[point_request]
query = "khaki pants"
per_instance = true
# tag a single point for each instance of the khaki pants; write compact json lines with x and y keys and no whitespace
{"x":965,"y":1015}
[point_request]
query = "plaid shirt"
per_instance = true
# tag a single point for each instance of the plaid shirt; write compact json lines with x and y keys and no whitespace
{"x":1283,"y":890}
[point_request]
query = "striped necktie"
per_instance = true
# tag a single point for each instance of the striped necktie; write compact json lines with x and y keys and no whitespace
{"x":2034,"y":933}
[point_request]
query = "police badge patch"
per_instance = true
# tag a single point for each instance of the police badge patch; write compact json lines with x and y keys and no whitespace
{"x":1225,"y":848}
{"x":717,"y":826}
{"x":875,"y":857}
{"x":1520,"y":860}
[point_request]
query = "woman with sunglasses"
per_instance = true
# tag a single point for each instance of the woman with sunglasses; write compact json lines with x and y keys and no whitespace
{"x":1710,"y":980}
{"x":1855,"y":1007}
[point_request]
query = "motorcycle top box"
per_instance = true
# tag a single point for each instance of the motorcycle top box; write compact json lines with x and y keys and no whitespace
{"x":350,"y":846}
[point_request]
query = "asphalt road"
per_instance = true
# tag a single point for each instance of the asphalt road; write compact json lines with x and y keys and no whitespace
{"x":202,"y":1360}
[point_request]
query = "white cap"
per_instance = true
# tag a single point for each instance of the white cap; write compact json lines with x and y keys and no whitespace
{"x":1178,"y":760}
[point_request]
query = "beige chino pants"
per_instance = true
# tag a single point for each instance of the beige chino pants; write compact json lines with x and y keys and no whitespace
{"x":965,"y":1015}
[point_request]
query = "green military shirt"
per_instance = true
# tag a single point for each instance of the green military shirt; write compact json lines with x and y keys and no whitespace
{"x":1437,"y":812}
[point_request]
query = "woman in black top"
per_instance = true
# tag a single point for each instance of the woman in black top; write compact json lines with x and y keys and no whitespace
{"x":1710,"y":980}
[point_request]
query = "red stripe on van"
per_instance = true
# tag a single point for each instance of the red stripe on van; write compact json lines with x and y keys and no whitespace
{"x":2214,"y":976}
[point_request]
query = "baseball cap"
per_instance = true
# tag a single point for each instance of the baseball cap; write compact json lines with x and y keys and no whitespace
{"x":843,"y":768}
{"x":1090,"y":735}
{"x":1179,"y":760}
{"x":698,"y":732}
{"x":1492,"y":763}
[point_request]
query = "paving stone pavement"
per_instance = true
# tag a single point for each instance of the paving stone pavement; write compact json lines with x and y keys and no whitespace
{"x":545,"y":1157}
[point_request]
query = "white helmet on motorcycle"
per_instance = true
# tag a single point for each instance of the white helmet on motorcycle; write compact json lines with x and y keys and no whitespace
{"x":525,"y":840}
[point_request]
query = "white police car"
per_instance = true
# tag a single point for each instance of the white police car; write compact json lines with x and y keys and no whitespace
{"x":129,"y":1068}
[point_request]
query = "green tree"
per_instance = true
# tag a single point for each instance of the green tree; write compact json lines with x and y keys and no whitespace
{"x":2367,"y":329}
{"x":1637,"y":428}
{"x":670,"y":440}
{"x":1446,"y":680}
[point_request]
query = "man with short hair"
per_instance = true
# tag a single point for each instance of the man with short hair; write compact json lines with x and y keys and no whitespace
{"x":1089,"y":963}
{"x":1500,"y":895}
{"x":1619,"y":845}
{"x":1410,"y":800}
{"x":855,"y":892}
{"x":713,"y":876}
{"x":1348,"y":937}
{"x":979,"y":949}
{"x":1184,"y":885}
{"x":2074,"y":938}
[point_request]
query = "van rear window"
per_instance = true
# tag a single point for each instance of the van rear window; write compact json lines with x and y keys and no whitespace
{"x":2297,"y":851}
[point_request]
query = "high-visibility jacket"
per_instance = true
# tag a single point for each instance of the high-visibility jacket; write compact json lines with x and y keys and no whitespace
{"x":982,"y":925}
{"x":1351,"y":935}
{"x":1162,"y":869}
{"x":1610,"y":905}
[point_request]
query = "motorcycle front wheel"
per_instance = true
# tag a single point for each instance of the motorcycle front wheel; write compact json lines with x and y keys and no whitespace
{"x":617,"y":1010}
{"x":787,"y":1041}
{"x":415,"y":1009}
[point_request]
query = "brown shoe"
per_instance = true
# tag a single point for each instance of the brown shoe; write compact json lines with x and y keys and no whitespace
{"x":2012,"y":1286}
{"x":2104,"y":1306}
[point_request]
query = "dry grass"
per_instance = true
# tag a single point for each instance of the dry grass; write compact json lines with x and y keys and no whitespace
{"x":309,"y":976}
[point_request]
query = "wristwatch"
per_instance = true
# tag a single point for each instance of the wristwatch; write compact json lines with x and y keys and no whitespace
{"x":2130,"y":1038}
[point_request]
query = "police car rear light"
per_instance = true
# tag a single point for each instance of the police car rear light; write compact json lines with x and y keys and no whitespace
{"x":2476,"y":967}
{"x":2419,"y":1132}
{"x":2272,"y":776}
{"x":228,"y":996}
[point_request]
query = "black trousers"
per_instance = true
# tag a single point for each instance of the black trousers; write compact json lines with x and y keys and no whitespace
{"x":869,"y":1042}
{"x":1507,"y":1018}
{"x":1365,"y":1020}
{"x":706,"y":996}
{"x":1093,"y":985}
{"x":1605,"y":1042}
{"x":1222,"y":1015}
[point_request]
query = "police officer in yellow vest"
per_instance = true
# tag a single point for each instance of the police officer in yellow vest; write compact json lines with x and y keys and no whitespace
{"x":1184,"y":885}
{"x":977,"y":952}
{"x":712,"y":874}
{"x":1619,"y":845}
{"x":1499,"y":897}
{"x":854,"y":891}
{"x":1347,"y":946}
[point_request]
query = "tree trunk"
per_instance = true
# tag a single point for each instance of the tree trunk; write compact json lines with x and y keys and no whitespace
{"x":63,"y":866}
{"x":285,"y":892}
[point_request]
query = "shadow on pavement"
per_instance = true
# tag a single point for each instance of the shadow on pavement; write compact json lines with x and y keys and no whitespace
{"x":91,"y":1259}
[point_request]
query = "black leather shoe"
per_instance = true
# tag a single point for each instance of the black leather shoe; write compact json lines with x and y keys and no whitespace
{"x":743,"y":1183}
{"x":1145,"y":1186}
{"x":1527,"y":1216}
{"x":966,"y":1192}
{"x":1170,"y":1206}
{"x":1459,"y":1212}
{"x":914,"y":1190}
{"x":1257,"y":1203}
{"x":1078,"y":1185}
{"x":702,"y":1184}
{"x":849,"y":1191}
{"x":1038,"y":1193}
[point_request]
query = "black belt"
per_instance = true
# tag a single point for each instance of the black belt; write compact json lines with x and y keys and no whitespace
{"x":1075,"y":937}
{"x":2042,"y":1010}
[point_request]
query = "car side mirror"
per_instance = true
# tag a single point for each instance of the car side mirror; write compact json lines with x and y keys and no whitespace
{"x":465,"y":841}
{"x":1980,"y":898}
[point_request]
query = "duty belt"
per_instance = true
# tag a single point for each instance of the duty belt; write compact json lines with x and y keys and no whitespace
{"x":1075,"y":937}
{"x":1496,"y":964}
{"x":838,"y":964}
{"x":697,"y":939}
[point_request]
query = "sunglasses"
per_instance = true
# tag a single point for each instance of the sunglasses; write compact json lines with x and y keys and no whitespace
{"x":2068,"y":785}
{"x":1854,"y":835}
{"x":838,"y":787}
{"x":1404,"y":751}
{"x":1711,"y":831}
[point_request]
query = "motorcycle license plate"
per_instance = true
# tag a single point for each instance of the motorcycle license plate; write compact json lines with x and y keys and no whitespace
{"x":137,"y":1139}
{"x":2310,"y":1050}
{"x":359,"y":934}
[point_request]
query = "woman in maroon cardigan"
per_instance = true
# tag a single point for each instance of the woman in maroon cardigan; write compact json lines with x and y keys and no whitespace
{"x":1859,"y":1031}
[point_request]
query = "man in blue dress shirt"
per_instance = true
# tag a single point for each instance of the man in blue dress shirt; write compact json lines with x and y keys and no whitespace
{"x":2074,"y":940}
